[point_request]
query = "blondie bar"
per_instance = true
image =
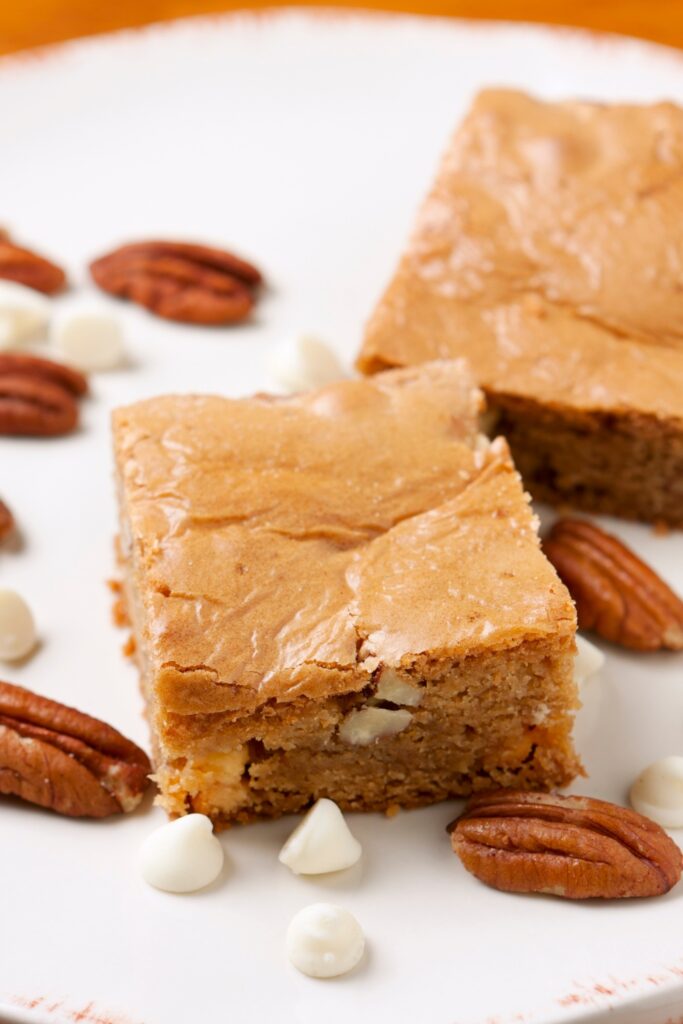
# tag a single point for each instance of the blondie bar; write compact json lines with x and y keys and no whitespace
{"x":549,"y":254}
{"x":340,"y":594}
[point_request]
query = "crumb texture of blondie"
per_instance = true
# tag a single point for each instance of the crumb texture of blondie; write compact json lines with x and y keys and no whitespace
{"x":548,"y":254}
{"x":339,"y":594}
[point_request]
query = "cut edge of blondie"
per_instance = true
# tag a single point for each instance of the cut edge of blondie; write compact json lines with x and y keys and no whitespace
{"x":502,"y":718}
{"x":572,"y":457}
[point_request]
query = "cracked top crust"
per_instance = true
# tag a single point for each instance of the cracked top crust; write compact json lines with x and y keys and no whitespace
{"x":280,"y":547}
{"x":549,"y":253}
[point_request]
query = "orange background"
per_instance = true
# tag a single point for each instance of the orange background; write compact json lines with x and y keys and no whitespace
{"x":25,"y":23}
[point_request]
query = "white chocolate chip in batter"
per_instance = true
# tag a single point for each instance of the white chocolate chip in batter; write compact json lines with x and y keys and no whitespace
{"x":393,"y":688}
{"x":658,"y":792}
{"x":324,"y":940}
{"x":183,"y":855}
{"x":368,"y":724}
{"x":540,"y":713}
{"x":17,"y":628}
{"x":321,"y":842}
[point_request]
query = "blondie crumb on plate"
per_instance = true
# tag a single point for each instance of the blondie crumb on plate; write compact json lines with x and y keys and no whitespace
{"x":340,"y":594}
{"x":549,"y":254}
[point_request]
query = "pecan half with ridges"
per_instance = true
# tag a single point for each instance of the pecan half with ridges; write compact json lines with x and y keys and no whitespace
{"x":60,"y":758}
{"x":6,"y":521}
{"x":180,"y":281}
{"x":28,"y":268}
{"x":45,"y":369}
{"x":574,"y":846}
{"x":616,"y":593}
{"x":31,"y":407}
{"x":38,"y":396}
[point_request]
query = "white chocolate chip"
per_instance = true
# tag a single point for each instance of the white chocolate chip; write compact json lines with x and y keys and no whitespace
{"x":324,"y":941}
{"x":321,"y":842}
{"x":658,"y":792}
{"x":540,"y":713}
{"x":302,"y":362}
{"x":17,"y":628}
{"x":183,"y":855}
{"x":396,"y":690}
{"x":88,"y":336}
{"x":368,"y":724}
{"x":588,"y":662}
{"x":24,"y":314}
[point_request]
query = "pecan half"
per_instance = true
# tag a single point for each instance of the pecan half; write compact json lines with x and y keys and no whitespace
{"x":45,"y":369}
{"x":180,"y":281}
{"x":570,"y":846}
{"x":37,"y":396}
{"x":31,"y":407}
{"x":60,"y":758}
{"x":28,"y":268}
{"x":6,"y":521}
{"x":616,"y":593}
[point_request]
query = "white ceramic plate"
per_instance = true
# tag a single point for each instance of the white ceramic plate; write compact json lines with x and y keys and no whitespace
{"x":305,"y":142}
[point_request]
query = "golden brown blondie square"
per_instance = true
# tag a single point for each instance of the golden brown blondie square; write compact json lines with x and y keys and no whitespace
{"x":340,"y":594}
{"x":549,"y":254}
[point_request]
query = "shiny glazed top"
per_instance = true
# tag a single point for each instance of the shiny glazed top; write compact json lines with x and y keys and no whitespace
{"x":549,"y":254}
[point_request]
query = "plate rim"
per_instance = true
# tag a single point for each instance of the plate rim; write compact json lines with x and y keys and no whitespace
{"x":326,"y":12}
